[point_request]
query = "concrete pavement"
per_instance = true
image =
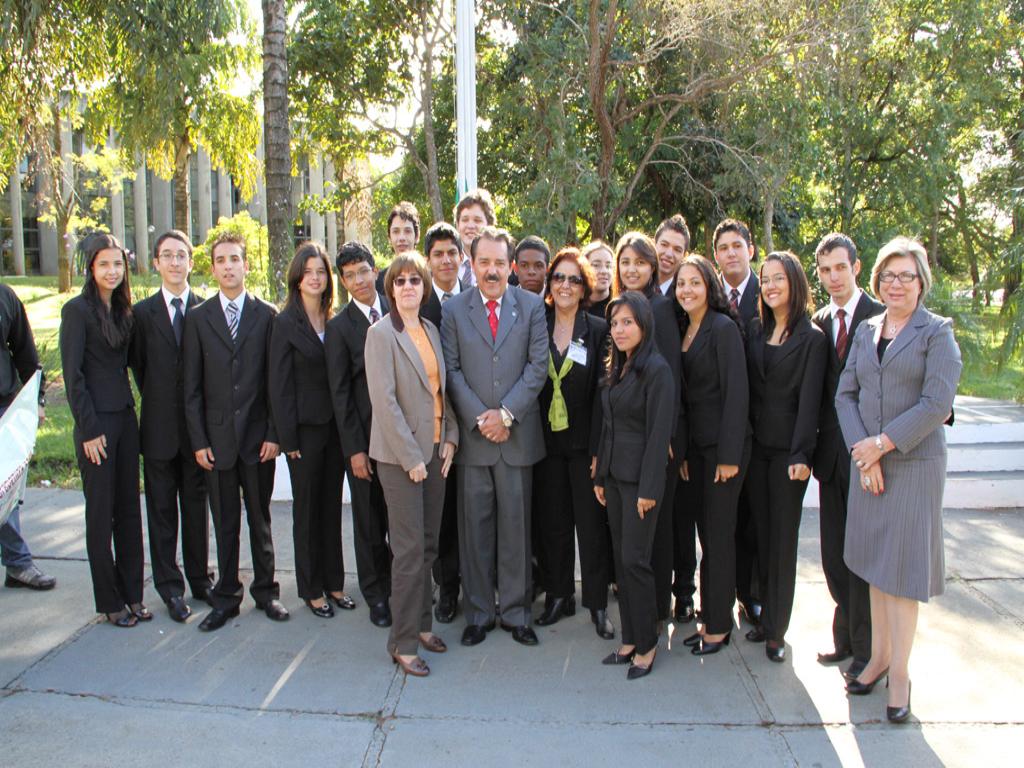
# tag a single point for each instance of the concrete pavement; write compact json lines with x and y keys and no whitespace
{"x":312,"y":692}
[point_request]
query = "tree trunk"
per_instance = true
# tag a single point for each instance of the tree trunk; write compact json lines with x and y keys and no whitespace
{"x":769,"y":217}
{"x":277,"y":143}
{"x":182,"y":189}
{"x":61,"y":207}
{"x":972,"y":256}
{"x":599,"y":50}
{"x":427,"y":101}
{"x":933,"y":239}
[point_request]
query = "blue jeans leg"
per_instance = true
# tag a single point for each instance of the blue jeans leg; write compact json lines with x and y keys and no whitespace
{"x":14,"y":552}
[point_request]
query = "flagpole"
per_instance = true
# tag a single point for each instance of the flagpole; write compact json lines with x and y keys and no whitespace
{"x":465,"y":96}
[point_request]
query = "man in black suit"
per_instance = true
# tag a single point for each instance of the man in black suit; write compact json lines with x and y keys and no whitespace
{"x":838,"y":267}
{"x":531,"y":257}
{"x":671,"y":241}
{"x":443,"y":247}
{"x":344,"y":341}
{"x":734,"y":250}
{"x":174,"y":483}
{"x":227,"y":410}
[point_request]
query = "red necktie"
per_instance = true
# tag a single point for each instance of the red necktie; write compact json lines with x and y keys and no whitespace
{"x":841,"y":335}
{"x":734,"y":300}
{"x":492,"y":318}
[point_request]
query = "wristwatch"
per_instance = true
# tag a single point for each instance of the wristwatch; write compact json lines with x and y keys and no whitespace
{"x":879,"y":444}
{"x":506,"y":417}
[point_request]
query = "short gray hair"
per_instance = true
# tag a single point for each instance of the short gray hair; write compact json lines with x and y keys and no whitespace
{"x":912,"y":249}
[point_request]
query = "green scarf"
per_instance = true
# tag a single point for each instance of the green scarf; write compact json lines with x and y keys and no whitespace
{"x":558,"y":415}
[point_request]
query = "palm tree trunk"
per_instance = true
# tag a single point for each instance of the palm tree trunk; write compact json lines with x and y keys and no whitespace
{"x":277,"y":143}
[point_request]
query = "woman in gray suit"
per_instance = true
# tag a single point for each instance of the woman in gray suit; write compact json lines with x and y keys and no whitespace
{"x":895,"y":393}
{"x":413,"y":437}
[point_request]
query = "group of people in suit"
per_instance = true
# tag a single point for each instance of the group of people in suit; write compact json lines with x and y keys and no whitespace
{"x":493,"y":404}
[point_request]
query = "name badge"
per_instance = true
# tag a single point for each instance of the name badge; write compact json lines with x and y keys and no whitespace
{"x":577,"y":353}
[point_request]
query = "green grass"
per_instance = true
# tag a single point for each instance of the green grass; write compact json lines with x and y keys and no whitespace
{"x":983,"y":376}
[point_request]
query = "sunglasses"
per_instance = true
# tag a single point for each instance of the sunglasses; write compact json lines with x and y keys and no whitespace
{"x":411,"y":280}
{"x":561,"y":277}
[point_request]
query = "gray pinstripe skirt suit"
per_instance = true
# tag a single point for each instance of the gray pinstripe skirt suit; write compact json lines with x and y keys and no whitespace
{"x":894,"y":540}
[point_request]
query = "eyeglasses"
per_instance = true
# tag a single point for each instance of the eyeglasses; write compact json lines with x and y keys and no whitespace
{"x":172,"y":257}
{"x":779,"y":279}
{"x":360,"y":274}
{"x":561,"y":277}
{"x":904,"y":277}
{"x":411,"y":280}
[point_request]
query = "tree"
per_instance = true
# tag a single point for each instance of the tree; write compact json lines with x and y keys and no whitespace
{"x":175,"y":71}
{"x":277,"y":140}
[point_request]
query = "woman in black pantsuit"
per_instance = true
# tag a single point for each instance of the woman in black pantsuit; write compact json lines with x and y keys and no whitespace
{"x":563,"y":481}
{"x":630,"y":477}
{"x":786,"y":360}
{"x":636,"y":269}
{"x":301,"y":404}
{"x":716,"y":460}
{"x":95,"y":331}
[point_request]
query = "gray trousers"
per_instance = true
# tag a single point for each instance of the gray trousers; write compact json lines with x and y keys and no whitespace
{"x":414,"y":520}
{"x":494,"y":542}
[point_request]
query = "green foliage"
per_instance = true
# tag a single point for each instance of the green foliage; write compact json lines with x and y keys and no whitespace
{"x":257,"y":252}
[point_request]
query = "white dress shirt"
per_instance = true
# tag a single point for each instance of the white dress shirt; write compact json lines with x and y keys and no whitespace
{"x":455,"y":291}
{"x":850,"y":306}
{"x":239,"y":302}
{"x":167,"y":300}
{"x":365,"y":308}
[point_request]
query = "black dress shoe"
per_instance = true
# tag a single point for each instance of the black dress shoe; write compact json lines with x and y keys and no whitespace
{"x":834,"y":657}
{"x":776,"y":654}
{"x":344,"y":602}
{"x":615,"y":658}
{"x":324,"y":611}
{"x":555,"y":608}
{"x":856,"y":667}
{"x":142,"y":613}
{"x":178,"y":609}
{"x":522,"y":634}
{"x":380,"y":614}
{"x":750,"y":612}
{"x":602,"y":624}
{"x":205,"y":594}
{"x":635,"y":671}
{"x":756,"y":635}
{"x":445,"y":609}
{"x":274,"y":610}
{"x":899,"y":714}
{"x":217,"y":618}
{"x":474,"y":634}
{"x":684,"y":612}
{"x":857,"y":688}
{"x":707,"y":647}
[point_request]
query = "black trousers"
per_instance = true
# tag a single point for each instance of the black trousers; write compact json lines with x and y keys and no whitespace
{"x":664,"y":546}
{"x":446,"y":567}
{"x":747,"y":588}
{"x":715,"y":509}
{"x":176,"y":490}
{"x":113,"y":513}
{"x":565,"y":509}
{"x":370,"y":537}
{"x":776,"y":503}
{"x":684,"y":545}
{"x":633,"y":544}
{"x":851,"y":622}
{"x":316,"y":511}
{"x":256,"y":484}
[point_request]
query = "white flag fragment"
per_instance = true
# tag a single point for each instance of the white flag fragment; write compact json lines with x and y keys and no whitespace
{"x":17,"y":442}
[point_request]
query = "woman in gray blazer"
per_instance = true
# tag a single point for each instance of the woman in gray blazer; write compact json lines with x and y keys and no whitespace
{"x":895,"y":393}
{"x":413,"y":438}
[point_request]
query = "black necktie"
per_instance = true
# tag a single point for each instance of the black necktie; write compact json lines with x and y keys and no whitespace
{"x":178,"y":323}
{"x":445,"y":296}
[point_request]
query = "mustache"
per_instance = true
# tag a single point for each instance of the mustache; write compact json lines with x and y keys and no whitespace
{"x":492,"y":277}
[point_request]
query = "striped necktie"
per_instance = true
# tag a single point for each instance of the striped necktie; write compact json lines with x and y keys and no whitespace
{"x":232,"y":314}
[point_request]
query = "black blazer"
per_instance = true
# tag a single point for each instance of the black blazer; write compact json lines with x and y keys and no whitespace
{"x":669,"y":344}
{"x":717,"y":394}
{"x":633,"y":447}
{"x":579,"y":387}
{"x":159,"y":369}
{"x":95,"y":374}
{"x":831,"y":449}
{"x":432,"y":309}
{"x":227,"y":406}
{"x":299,"y":392}
{"x":785,"y":397}
{"x":344,"y":342}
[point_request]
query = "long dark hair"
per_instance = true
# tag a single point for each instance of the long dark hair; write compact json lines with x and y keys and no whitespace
{"x":799,"y":303}
{"x":617,"y":363}
{"x":115,"y":323}
{"x":717,"y":302}
{"x":297,"y":270}
{"x":643,"y":247}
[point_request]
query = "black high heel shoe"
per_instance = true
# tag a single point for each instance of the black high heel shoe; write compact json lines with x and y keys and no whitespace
{"x":635,"y":671}
{"x":602,"y":624}
{"x":344,"y":602}
{"x":324,"y":611}
{"x":857,"y":688}
{"x":615,"y":658}
{"x":141,"y":612}
{"x":899,"y":714}
{"x":707,"y":647}
{"x":693,"y":640}
{"x":555,"y":608}
{"x":123,"y":618}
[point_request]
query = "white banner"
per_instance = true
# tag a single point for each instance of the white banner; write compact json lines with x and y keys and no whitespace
{"x":17,"y":442}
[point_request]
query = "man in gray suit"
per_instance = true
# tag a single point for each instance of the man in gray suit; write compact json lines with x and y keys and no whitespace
{"x":495,"y":349}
